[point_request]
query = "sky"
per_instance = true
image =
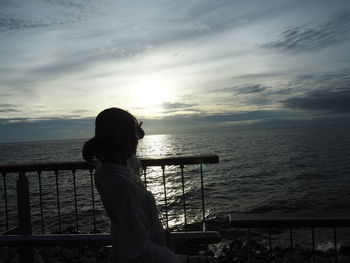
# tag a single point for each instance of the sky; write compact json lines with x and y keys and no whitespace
{"x":179,"y":66}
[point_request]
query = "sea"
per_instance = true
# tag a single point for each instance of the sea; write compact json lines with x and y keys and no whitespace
{"x":261,"y":171}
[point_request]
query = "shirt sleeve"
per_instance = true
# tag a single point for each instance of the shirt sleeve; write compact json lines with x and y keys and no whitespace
{"x":135,"y":241}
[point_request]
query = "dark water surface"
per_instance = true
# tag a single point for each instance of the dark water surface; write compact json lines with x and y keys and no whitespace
{"x":260,"y":171}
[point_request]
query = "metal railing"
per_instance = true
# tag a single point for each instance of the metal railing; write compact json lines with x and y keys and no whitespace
{"x":290,"y":222}
{"x":24,"y":217}
{"x":37,"y":170}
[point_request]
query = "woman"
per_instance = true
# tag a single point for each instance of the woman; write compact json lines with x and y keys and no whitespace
{"x":137,"y":233}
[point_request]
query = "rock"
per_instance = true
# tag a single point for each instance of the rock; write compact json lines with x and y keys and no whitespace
{"x":291,"y":257}
{"x":4,"y":253}
{"x":343,"y":259}
{"x":90,"y":252}
{"x":71,"y":230}
{"x":320,"y":259}
{"x":197,"y":259}
{"x":37,"y":256}
{"x":236,"y":244}
{"x":104,"y":253}
{"x":52,"y":251}
{"x":344,"y":251}
{"x":69,"y":253}
{"x":306,"y":253}
{"x":321,"y":253}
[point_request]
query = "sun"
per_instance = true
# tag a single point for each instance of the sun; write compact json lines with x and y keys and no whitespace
{"x":152,"y":89}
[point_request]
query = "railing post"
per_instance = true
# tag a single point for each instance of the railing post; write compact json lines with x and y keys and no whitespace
{"x":6,"y":207}
{"x":93,"y":199}
{"x":183,"y":195}
{"x":26,"y":254}
{"x":165,"y":198}
{"x":202,"y":192}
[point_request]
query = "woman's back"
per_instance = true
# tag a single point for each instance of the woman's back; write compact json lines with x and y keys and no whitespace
{"x":137,"y":233}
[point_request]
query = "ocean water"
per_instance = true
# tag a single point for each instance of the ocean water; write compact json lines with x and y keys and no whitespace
{"x":295,"y":170}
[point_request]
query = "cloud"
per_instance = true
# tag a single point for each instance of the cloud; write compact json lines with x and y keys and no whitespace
{"x":243,"y":96}
{"x":9,"y":24}
{"x":251,"y":89}
{"x":174,"y":106}
{"x":328,"y":100}
{"x":178,"y":107}
{"x":3,"y":94}
{"x":244,"y":89}
{"x":27,"y":129}
{"x":30,"y":129}
{"x":302,"y":39}
{"x":22,"y":15}
{"x":79,"y":111}
{"x":7,"y":108}
{"x":241,"y":116}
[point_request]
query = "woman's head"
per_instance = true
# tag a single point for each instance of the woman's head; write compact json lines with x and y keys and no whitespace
{"x":115,"y":136}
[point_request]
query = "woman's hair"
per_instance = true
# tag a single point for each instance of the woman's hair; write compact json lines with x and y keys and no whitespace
{"x":115,"y":135}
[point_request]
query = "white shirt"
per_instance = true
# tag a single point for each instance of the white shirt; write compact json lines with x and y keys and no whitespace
{"x":137,"y":234}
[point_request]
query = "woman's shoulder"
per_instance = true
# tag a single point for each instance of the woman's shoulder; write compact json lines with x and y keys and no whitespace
{"x":113,"y":176}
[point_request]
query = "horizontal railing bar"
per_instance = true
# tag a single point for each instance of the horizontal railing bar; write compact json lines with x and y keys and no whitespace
{"x":100,"y":239}
{"x":82,"y":165}
{"x":289,"y":220}
{"x":55,"y":240}
{"x":180,"y":160}
{"x":12,"y":231}
{"x":35,"y":167}
{"x":199,"y":237}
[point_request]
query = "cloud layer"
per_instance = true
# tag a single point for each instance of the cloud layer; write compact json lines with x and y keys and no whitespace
{"x":177,"y":65}
{"x":314,"y":37}
{"x":329,"y":101}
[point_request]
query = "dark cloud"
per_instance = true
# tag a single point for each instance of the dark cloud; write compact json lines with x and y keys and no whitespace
{"x":251,"y":89}
{"x":328,"y":100}
{"x":169,"y":107}
{"x":23,"y":129}
{"x":26,"y":129}
{"x":7,"y":108}
{"x":176,"y":106}
{"x":79,"y":111}
{"x":3,"y":95}
{"x":248,"y":94}
{"x":27,"y":15}
{"x":342,"y":76}
{"x":9,"y":24}
{"x":83,"y":60}
{"x":7,"y":105}
{"x":244,"y":89}
{"x":30,"y":129}
{"x":326,"y":83}
{"x":242,"y":116}
{"x":258,"y":76}
{"x":300,"y":39}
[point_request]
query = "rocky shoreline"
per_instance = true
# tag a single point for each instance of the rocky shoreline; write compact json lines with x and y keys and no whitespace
{"x":226,"y":251}
{"x":237,"y":251}
{"x":233,"y":248}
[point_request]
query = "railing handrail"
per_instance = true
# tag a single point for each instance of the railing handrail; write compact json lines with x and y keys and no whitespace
{"x":198,"y":237}
{"x":289,"y":220}
{"x":82,"y":165}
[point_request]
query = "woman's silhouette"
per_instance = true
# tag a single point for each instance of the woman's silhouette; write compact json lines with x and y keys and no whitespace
{"x":137,"y":233}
